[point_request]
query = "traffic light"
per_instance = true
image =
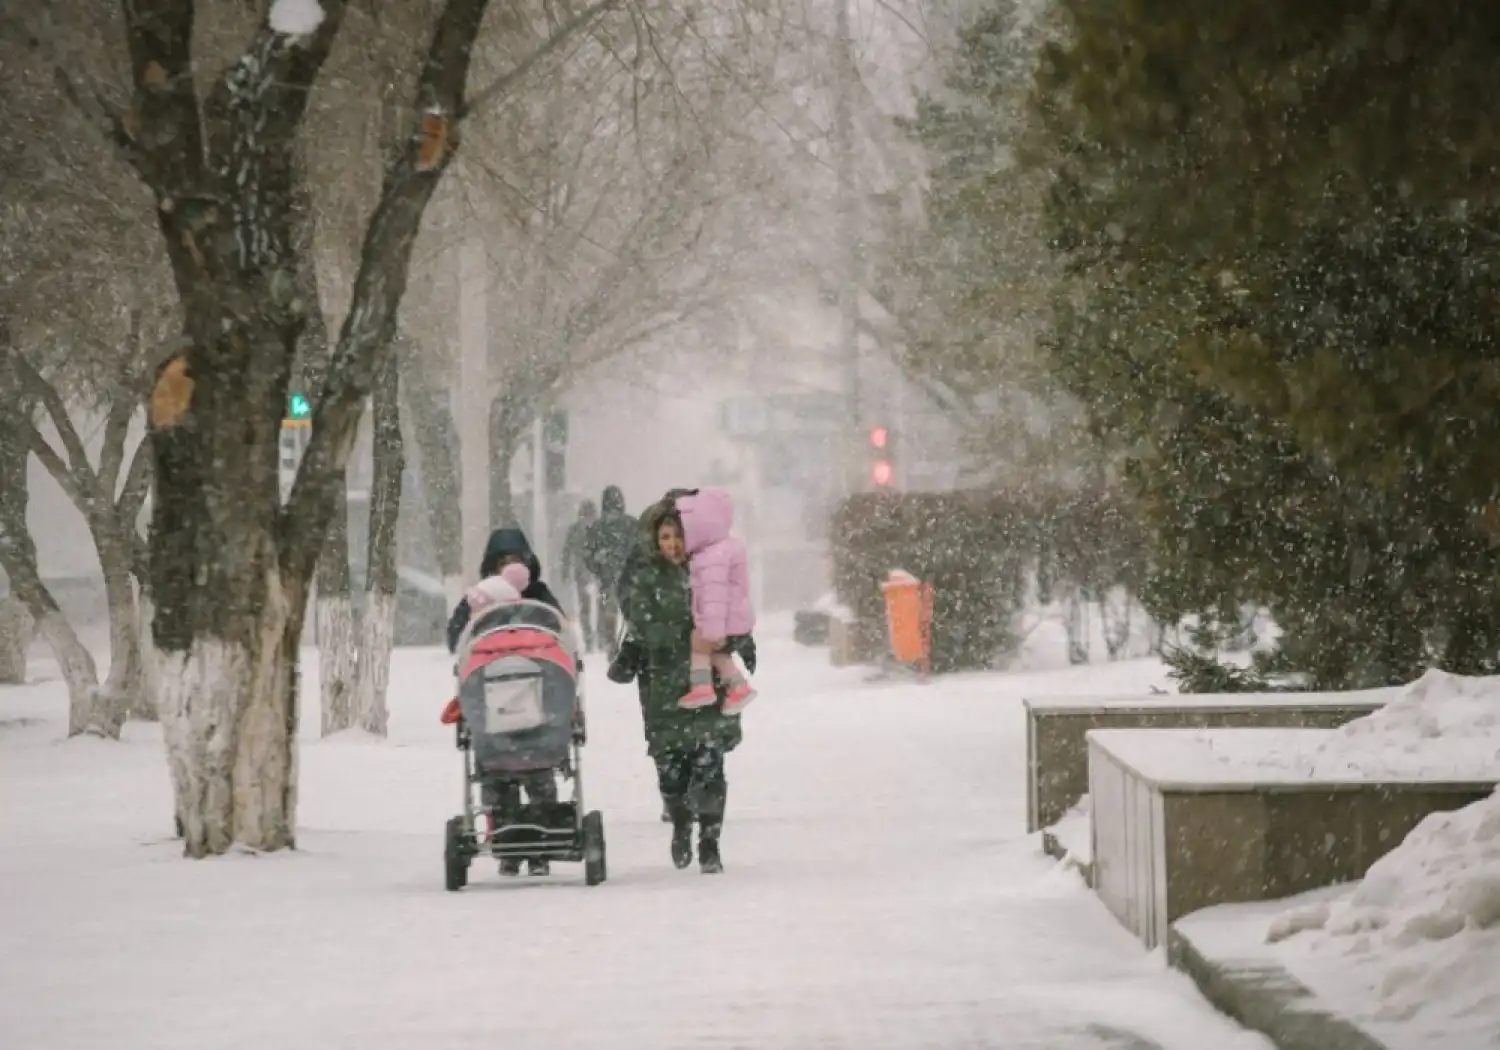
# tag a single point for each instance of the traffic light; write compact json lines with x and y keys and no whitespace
{"x":882,"y":466}
{"x":298,"y":406}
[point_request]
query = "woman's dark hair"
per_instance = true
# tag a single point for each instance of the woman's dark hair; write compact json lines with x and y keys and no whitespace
{"x":661,"y":513}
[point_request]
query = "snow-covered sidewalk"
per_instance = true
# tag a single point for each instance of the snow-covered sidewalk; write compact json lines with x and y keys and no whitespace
{"x":880,"y":893}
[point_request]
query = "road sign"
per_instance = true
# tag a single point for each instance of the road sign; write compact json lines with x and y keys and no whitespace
{"x":295,"y":434}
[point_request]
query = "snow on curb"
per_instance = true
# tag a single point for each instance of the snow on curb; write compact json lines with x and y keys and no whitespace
{"x":1071,"y":839}
{"x":1410,"y":951}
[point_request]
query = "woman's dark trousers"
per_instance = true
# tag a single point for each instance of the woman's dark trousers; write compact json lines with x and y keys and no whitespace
{"x":692,"y":784}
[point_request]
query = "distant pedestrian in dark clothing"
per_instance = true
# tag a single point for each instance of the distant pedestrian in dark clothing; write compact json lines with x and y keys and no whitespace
{"x":575,"y":568}
{"x":610,"y":542}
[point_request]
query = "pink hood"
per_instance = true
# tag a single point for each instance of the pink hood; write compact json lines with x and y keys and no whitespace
{"x":707,"y":518}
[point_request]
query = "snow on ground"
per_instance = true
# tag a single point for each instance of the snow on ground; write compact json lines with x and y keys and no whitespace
{"x":880,"y":893}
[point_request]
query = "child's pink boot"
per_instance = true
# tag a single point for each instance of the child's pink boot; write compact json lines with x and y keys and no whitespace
{"x":700,"y":695}
{"x":739,"y":697}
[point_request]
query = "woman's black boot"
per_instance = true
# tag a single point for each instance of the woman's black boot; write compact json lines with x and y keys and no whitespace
{"x":682,"y":835}
{"x":709,"y":861}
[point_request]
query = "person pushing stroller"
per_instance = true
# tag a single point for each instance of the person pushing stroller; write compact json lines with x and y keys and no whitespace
{"x":509,"y":571}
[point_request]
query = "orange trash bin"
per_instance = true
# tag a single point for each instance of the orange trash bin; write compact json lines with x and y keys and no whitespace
{"x":908,"y":617}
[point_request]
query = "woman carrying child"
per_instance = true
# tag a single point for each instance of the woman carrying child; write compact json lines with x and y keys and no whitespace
{"x":687,"y":744}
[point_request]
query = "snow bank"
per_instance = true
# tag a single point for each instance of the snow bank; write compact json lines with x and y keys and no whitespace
{"x":1075,"y":832}
{"x":1413,"y":946}
{"x":296,"y":17}
{"x":1442,"y":727}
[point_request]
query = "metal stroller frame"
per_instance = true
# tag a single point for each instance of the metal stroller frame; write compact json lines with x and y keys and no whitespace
{"x":542,"y":830}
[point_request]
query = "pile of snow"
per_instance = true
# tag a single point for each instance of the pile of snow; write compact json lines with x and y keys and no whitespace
{"x":830,"y":605}
{"x":1441,"y":727}
{"x":296,"y":17}
{"x":1437,"y":710}
{"x":1074,"y":832}
{"x":1415,"y":944}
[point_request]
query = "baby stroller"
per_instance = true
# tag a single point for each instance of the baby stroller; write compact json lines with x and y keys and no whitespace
{"x":520,"y":711}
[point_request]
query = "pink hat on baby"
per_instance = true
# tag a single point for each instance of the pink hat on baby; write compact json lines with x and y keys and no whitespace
{"x":517,"y":575}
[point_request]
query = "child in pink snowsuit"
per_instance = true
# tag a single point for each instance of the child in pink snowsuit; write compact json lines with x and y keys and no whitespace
{"x":721,"y":596}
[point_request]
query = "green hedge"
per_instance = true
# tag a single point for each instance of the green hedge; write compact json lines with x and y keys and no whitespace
{"x":979,"y":550}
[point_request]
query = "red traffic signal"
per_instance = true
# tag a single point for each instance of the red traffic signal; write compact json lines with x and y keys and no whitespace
{"x":881,"y":472}
{"x":878,"y":437}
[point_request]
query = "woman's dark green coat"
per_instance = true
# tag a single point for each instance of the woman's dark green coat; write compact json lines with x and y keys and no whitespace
{"x":661,"y":624}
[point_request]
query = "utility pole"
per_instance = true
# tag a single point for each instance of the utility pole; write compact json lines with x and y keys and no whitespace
{"x":849,"y":233}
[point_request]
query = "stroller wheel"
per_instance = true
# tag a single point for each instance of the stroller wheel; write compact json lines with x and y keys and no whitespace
{"x":594,"y":869}
{"x":455,"y":857}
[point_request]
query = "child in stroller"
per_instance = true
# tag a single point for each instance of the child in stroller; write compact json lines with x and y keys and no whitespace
{"x":501,"y":796}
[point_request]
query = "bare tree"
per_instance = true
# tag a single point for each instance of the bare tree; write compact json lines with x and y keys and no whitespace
{"x":81,"y":317}
{"x":230,"y":567}
{"x":620,"y":203}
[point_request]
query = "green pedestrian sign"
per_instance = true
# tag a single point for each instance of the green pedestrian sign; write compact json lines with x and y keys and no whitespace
{"x":298,"y":406}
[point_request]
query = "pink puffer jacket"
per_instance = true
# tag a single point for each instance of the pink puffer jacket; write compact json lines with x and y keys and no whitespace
{"x":720,"y":569}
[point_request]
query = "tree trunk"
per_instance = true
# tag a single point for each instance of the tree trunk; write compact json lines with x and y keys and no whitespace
{"x":230,"y":566}
{"x":504,"y":437}
{"x":228,"y":617}
{"x":118,"y":695}
{"x":338,"y":655}
{"x":123,"y":688}
{"x":146,"y":684}
{"x":378,"y":625}
{"x":437,"y":444}
{"x":228,"y":706}
{"x":15,"y":639}
{"x":18,"y":559}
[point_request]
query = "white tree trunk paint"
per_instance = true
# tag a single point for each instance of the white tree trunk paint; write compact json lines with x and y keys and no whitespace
{"x":230,"y":745}
{"x":145,"y":708}
{"x":15,"y":639}
{"x":338,"y":662}
{"x":120,"y":695}
{"x":377,"y":635}
{"x":80,"y":674}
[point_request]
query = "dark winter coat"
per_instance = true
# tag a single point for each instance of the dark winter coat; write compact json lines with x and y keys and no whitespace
{"x":610,"y":540}
{"x":503,"y":544}
{"x":575,"y":547}
{"x":661,"y":626}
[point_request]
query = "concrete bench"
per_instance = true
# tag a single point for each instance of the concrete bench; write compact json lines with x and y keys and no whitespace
{"x":1057,"y":757}
{"x":1184,"y":819}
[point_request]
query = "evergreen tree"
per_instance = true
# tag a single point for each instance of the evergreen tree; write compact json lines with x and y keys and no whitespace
{"x":1279,"y":222}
